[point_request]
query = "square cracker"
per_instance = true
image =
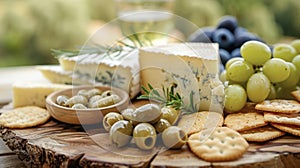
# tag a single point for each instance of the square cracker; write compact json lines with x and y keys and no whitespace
{"x":244,"y":121}
{"x":261,"y":134}
{"x":282,"y":118}
{"x":279,"y":106}
{"x":292,"y":129}
{"x":296,"y":94}
{"x":218,"y":144}
{"x":24,"y":117}
{"x":195,"y":122}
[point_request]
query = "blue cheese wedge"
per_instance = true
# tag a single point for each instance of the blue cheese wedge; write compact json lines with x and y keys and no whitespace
{"x":119,"y":69}
{"x":193,"y":67}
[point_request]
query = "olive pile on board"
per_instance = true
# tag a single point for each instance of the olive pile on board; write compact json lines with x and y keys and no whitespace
{"x":144,"y":125}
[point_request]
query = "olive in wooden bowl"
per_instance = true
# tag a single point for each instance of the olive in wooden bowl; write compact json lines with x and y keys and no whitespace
{"x":86,"y":104}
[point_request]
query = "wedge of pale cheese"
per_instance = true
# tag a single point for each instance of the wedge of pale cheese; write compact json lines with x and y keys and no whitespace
{"x":192,"y":67}
{"x":56,"y":74}
{"x":119,"y":69}
{"x":27,"y":94}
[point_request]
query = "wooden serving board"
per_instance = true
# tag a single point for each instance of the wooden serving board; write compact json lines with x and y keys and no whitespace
{"x":56,"y":144}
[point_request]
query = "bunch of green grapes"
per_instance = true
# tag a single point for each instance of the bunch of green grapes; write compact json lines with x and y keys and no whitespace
{"x":261,"y":73}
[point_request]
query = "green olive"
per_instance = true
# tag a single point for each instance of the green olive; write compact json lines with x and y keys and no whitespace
{"x":76,"y":99}
{"x":82,"y":92}
{"x":93,"y":92}
{"x":93,"y":99}
{"x":127,"y":115}
{"x":79,"y":106}
{"x":174,"y":137}
{"x":111,"y":118}
{"x":161,"y":125}
{"x":121,"y":133}
{"x":61,"y":100}
{"x":106,"y":93}
{"x":150,"y":113}
{"x":170,"y":114}
{"x":106,"y":101}
{"x":144,"y":136}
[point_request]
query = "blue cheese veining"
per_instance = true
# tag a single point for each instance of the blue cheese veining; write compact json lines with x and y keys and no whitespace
{"x":193,"y":67}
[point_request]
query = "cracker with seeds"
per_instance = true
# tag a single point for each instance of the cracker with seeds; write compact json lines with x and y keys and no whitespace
{"x":279,"y":106}
{"x":283,"y":118}
{"x":24,"y":117}
{"x":244,"y":121}
{"x":218,"y":144}
{"x":195,"y":122}
{"x":296,"y":94}
{"x":292,"y":129}
{"x":262,"y":134}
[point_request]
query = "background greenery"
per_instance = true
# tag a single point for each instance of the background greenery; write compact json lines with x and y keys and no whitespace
{"x":30,"y":28}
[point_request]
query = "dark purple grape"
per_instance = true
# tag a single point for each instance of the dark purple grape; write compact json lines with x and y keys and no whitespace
{"x":236,"y":53}
{"x":239,"y":30}
{"x":224,"y":56}
{"x":221,"y":68}
{"x":202,"y":35}
{"x":228,"y":22}
{"x":244,"y":37}
{"x":224,"y":37}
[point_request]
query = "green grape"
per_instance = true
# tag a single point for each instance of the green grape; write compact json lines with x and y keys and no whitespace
{"x":285,"y":52}
{"x":293,"y":78}
{"x":240,"y":71}
{"x":255,"y":52}
{"x":223,"y":76}
{"x":272,"y":95}
{"x":235,"y":97}
{"x":277,"y":70}
{"x":296,"y":62}
{"x":285,"y":93}
{"x":296,"y":45}
{"x":232,"y":60}
{"x":258,"y":87}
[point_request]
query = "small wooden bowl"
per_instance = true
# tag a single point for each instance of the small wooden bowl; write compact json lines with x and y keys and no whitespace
{"x":83,"y":116}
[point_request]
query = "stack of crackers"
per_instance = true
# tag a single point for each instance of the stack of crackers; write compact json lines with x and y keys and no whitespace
{"x":213,"y":138}
{"x":267,"y":120}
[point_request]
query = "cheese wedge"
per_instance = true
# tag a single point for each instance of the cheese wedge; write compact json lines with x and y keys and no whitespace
{"x":27,"y":94}
{"x":55,"y":74}
{"x":119,"y":70}
{"x":193,"y":67}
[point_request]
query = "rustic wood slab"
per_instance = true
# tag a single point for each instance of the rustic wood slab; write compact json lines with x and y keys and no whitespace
{"x":56,"y":144}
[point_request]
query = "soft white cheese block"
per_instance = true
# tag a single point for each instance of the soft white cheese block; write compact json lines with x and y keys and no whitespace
{"x":119,"y":69}
{"x":26,"y":94}
{"x":193,"y":67}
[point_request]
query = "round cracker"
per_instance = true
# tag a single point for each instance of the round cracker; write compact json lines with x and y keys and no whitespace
{"x":24,"y":117}
{"x":244,"y":121}
{"x":219,"y":144}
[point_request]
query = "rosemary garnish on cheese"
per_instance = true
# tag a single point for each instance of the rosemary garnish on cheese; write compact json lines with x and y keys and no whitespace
{"x":169,"y":97}
{"x":114,"y":52}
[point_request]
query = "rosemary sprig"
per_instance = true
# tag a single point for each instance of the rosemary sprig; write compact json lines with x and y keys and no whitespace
{"x":114,"y":51}
{"x":169,"y":98}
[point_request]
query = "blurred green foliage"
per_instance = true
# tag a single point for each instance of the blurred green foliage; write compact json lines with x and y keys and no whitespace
{"x":30,"y":28}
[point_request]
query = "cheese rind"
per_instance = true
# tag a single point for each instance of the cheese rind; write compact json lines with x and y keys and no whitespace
{"x":193,"y":67}
{"x":28,"y":94}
